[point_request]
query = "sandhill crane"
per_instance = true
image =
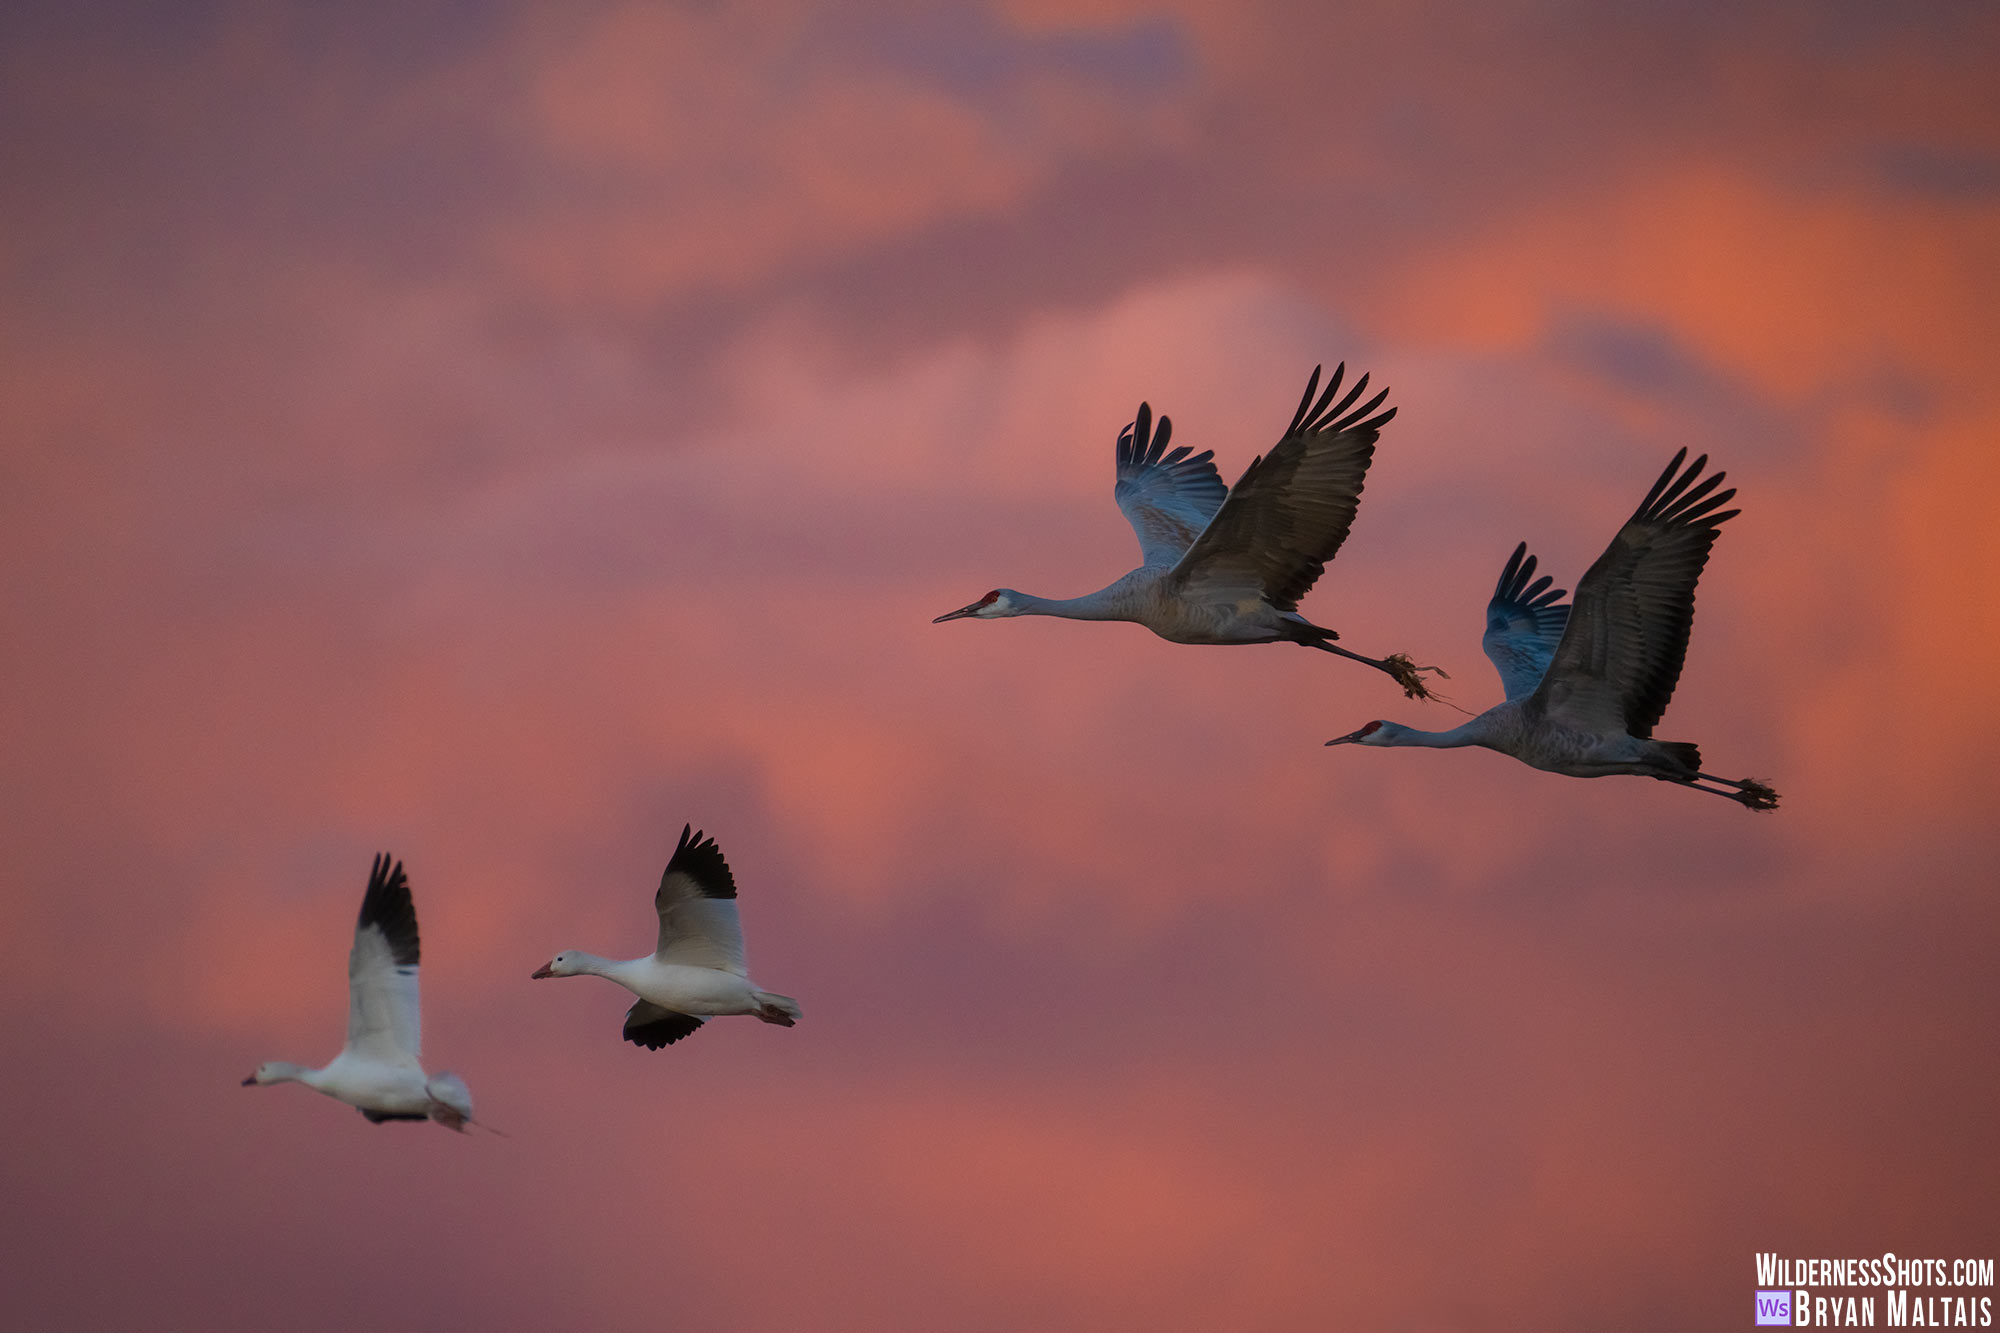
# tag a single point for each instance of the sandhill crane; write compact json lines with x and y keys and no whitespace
{"x":1586,"y":683}
{"x":379,"y":1070}
{"x":1230,"y":565}
{"x":697,"y":972}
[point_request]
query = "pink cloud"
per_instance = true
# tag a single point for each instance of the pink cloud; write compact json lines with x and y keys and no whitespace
{"x":503,"y":452}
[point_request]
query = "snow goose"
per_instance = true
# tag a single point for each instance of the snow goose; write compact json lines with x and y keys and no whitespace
{"x":697,"y":972}
{"x":379,"y":1070}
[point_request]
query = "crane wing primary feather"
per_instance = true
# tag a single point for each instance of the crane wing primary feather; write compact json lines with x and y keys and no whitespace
{"x":1621,"y":655}
{"x":383,"y":1021}
{"x":1168,"y":498}
{"x":1524,"y":623}
{"x":699,"y":925}
{"x":1288,"y":514}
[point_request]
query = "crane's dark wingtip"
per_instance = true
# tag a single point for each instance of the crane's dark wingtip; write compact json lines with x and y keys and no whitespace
{"x":1518,"y":588}
{"x":1683,"y":498}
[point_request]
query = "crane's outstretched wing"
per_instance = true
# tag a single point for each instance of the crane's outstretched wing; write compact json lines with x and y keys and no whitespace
{"x":648,"y":1025}
{"x":382,"y":1013}
{"x":1290,"y":511}
{"x":1628,"y":627}
{"x":1524,"y":623}
{"x":696,"y":901}
{"x":1168,"y":498}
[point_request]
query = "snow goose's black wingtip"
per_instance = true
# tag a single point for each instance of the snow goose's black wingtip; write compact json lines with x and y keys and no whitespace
{"x":698,"y":858}
{"x":388,"y":907}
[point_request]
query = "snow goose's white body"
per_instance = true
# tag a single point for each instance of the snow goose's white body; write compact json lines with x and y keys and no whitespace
{"x":380,"y":1070}
{"x":697,"y":971}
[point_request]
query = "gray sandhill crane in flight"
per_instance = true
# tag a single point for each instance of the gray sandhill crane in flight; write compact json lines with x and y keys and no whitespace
{"x":1226,"y":565}
{"x":1587,"y":683}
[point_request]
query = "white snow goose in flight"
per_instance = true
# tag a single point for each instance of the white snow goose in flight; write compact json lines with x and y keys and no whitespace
{"x":1229,"y":566}
{"x":1587,"y":683}
{"x":697,"y":971}
{"x":380,"y":1071}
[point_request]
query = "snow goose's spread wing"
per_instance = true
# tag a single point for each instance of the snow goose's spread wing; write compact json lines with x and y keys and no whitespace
{"x":1628,"y":630}
{"x":1168,"y":498}
{"x":382,"y":1013}
{"x":699,"y":926}
{"x":1290,"y":511}
{"x":1524,"y":623}
{"x":648,"y":1025}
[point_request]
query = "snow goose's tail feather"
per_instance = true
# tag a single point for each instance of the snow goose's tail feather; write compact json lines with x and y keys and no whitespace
{"x":780,"y":1009}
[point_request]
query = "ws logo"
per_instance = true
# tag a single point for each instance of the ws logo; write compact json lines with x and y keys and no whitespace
{"x":1774,"y":1307}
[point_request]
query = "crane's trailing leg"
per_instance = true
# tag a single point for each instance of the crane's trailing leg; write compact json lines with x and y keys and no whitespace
{"x":1753,"y":794}
{"x":1747,"y":792}
{"x":1399,"y":666}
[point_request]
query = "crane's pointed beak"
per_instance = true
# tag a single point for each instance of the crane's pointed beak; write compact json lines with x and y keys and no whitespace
{"x":959,"y":614}
{"x":1343,"y":740}
{"x":545,"y":970}
{"x":250,"y":1082}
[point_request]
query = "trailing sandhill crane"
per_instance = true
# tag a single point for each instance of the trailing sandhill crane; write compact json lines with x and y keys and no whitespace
{"x":697,"y":972}
{"x":1230,"y":565}
{"x":379,"y":1071}
{"x":1587,"y":683}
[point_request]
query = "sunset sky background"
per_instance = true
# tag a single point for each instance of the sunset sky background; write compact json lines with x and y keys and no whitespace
{"x":499,"y":435}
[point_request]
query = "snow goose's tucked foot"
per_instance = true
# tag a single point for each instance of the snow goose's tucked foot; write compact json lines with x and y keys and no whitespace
{"x":450,"y":1101}
{"x":780,"y":1009}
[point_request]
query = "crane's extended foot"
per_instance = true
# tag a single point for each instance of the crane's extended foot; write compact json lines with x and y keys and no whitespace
{"x":1756,"y":795}
{"x":1404,"y":671}
{"x":1399,"y":666}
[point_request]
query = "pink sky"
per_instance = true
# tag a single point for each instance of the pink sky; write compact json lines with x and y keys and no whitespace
{"x":500,"y":437}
